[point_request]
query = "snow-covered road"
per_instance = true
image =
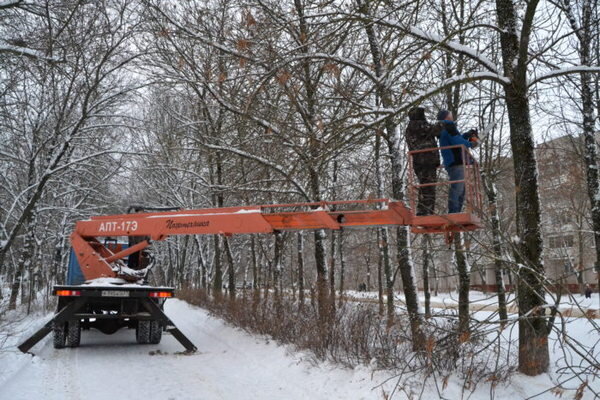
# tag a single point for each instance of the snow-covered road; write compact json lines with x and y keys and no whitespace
{"x":230,"y":364}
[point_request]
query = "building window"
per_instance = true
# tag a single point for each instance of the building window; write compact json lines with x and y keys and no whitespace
{"x":560,"y":242}
{"x":560,"y":218}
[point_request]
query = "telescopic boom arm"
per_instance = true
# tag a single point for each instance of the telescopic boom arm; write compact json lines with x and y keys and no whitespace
{"x":98,"y":261}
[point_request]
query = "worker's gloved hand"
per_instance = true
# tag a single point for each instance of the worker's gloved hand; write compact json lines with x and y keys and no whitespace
{"x":472,"y":135}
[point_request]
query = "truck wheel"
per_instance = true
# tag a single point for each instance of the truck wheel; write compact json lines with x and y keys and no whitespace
{"x":142,"y":332}
{"x":155,"y":332}
{"x":59,"y":335}
{"x":73,"y":333}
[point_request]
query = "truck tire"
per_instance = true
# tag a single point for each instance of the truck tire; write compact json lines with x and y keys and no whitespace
{"x":155,"y":332}
{"x":142,"y":332}
{"x":59,"y":335}
{"x":73,"y":333}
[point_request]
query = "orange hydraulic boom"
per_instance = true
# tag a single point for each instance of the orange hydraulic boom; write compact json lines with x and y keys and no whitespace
{"x":97,"y":261}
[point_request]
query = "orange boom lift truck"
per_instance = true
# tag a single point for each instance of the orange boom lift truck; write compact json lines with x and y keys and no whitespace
{"x":102,"y":304}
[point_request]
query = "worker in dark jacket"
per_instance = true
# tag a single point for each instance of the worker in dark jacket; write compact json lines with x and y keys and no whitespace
{"x":453,"y":162}
{"x":422,"y":135}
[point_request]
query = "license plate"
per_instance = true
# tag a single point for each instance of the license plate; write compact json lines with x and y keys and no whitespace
{"x":115,"y":293}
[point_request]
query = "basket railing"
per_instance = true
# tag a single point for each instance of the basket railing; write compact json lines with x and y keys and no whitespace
{"x":473,"y":201}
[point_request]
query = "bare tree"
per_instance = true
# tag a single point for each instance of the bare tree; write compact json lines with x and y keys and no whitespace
{"x":53,"y":111}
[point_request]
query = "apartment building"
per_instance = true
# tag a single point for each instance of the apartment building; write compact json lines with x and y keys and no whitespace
{"x":569,"y":248}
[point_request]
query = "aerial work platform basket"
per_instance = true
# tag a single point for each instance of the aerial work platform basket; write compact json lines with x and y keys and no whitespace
{"x":439,"y":220}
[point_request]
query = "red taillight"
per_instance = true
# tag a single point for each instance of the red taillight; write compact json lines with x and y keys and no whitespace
{"x":68,"y":293}
{"x":160,"y":294}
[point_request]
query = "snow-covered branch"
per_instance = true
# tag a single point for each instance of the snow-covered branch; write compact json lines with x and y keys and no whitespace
{"x":10,"y":3}
{"x":24,"y":51}
{"x":94,"y":155}
{"x":443,"y":42}
{"x":564,"y":71}
{"x":453,"y":81}
{"x":421,"y":96}
{"x":453,"y":46}
{"x":460,"y":79}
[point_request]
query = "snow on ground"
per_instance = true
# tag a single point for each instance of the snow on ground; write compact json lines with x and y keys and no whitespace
{"x":230,"y":364}
{"x":572,"y":302}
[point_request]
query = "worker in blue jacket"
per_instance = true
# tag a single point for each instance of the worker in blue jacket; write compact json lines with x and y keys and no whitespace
{"x":452,"y":158}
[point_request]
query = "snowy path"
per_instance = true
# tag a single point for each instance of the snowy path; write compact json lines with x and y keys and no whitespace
{"x":230,"y":364}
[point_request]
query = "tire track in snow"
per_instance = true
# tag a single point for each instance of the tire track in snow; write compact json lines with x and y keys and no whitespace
{"x":212,"y":328}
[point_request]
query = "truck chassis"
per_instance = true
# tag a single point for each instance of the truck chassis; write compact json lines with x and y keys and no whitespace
{"x":108,"y":309}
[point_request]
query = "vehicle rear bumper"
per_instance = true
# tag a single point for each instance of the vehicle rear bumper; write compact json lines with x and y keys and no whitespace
{"x":115,"y":291}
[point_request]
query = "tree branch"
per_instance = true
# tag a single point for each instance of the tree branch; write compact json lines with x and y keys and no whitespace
{"x":564,"y":71}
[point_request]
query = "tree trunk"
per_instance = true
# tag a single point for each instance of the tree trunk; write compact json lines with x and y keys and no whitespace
{"x":383,"y":256}
{"x":342,"y":263}
{"x":383,"y":243}
{"x":584,"y":35}
{"x":591,"y":149}
{"x":201,"y":262}
{"x":334,"y":241}
{"x":22,"y":266}
{"x":492,"y":196}
{"x":464,"y":281}
{"x":33,"y":279}
{"x":182,"y":260}
{"x":320,"y":237}
{"x":255,"y":279}
{"x":267,"y":281}
{"x":368,"y":276}
{"x":482,"y":275}
{"x":218,"y":201}
{"x":277,"y":262}
{"x":404,"y":263}
{"x":322,"y":288}
{"x":407,"y":273}
{"x":16,"y":285}
{"x":426,"y":290}
{"x":300,"y":240}
{"x":217,"y":270}
{"x":231,"y":274}
{"x":434,"y":276}
{"x":332,"y":255}
{"x":387,"y":272}
{"x":534,"y":357}
{"x":171,"y":268}
{"x":255,"y":275}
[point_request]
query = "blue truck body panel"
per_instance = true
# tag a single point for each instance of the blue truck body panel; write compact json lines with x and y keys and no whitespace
{"x":74,"y":274}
